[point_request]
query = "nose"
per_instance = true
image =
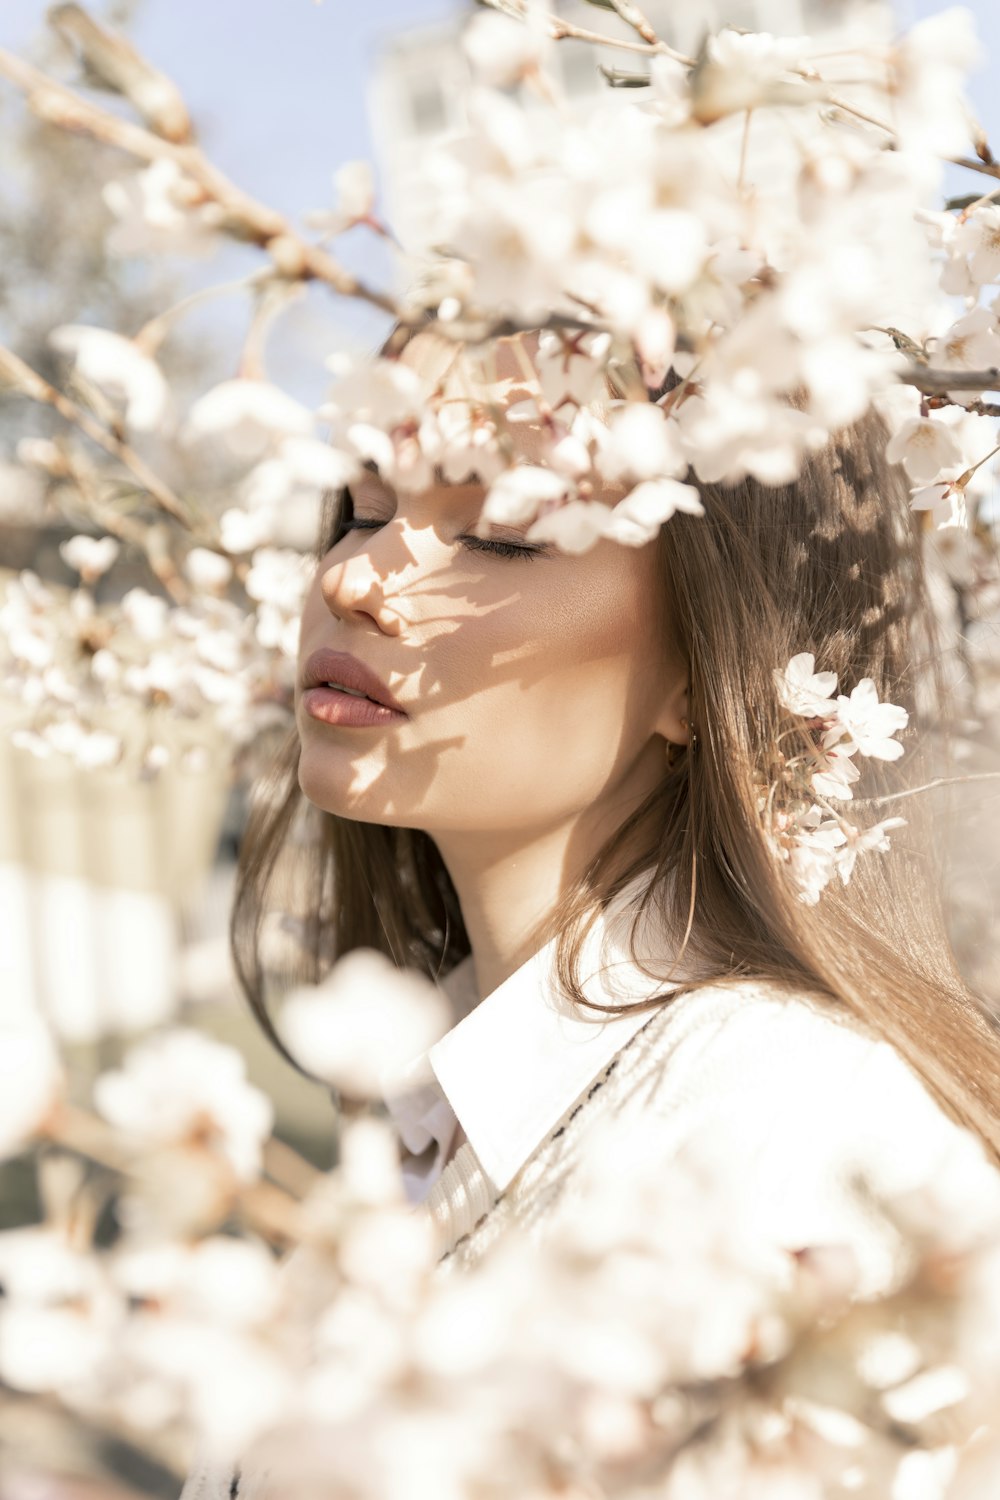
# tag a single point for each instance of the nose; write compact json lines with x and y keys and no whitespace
{"x":353,"y":592}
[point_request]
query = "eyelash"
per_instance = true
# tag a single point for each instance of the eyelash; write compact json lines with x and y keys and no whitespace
{"x":477,"y":543}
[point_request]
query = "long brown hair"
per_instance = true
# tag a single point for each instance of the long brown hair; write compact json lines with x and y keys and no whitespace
{"x":831,"y":563}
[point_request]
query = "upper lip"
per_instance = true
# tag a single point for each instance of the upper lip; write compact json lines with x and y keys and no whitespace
{"x":347,"y":671}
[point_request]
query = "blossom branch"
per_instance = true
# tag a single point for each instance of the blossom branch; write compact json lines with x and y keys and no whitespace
{"x":988,"y":168}
{"x":633,"y":16}
{"x":16,"y":373}
{"x":560,"y":30}
{"x":939,"y":382}
{"x":244,"y":216}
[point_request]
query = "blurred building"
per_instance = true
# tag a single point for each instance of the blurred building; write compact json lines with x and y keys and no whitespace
{"x":416,"y":86}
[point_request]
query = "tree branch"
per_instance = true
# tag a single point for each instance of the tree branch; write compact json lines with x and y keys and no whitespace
{"x":294,"y":256}
{"x":939,"y":382}
{"x":633,"y":16}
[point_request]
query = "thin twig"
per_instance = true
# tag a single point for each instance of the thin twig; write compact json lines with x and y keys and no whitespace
{"x":560,"y":30}
{"x":929,"y":786}
{"x":151,"y":334}
{"x":633,"y":16}
{"x":295,"y":257}
{"x":989,"y":169}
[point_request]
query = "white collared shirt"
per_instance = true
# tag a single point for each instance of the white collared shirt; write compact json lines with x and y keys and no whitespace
{"x":515,"y":1061}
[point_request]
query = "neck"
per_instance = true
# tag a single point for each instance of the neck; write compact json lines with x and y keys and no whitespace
{"x":509,"y":882}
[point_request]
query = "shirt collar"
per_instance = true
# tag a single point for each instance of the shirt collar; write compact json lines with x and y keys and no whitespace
{"x":515,"y":1062}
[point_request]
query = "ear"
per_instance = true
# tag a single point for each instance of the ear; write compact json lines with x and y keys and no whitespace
{"x":674,"y":718}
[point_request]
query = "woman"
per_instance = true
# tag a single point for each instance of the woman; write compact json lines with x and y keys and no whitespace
{"x":562,"y":825}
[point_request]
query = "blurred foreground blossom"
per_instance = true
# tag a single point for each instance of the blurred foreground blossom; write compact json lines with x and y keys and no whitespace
{"x":31,"y":1079}
{"x":180,"y":1087}
{"x":363,"y":1022}
{"x":160,"y":211}
{"x":120,"y":368}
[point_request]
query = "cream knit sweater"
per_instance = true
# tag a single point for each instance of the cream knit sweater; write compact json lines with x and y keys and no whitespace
{"x":802,"y":1094}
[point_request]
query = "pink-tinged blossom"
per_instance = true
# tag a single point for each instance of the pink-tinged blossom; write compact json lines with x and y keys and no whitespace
{"x":571,"y":368}
{"x":869,"y":724}
{"x":803,"y":690}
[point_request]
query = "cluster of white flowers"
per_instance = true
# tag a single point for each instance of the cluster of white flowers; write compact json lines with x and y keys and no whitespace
{"x":804,"y":829}
{"x":739,"y":223}
{"x":657,"y":1334}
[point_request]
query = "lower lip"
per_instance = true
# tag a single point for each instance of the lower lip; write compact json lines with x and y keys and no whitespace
{"x":331,"y":706}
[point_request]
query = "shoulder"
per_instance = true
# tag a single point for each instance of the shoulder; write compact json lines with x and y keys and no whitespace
{"x":794,"y":1098}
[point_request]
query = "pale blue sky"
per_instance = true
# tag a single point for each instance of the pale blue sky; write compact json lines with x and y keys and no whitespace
{"x":278,"y":89}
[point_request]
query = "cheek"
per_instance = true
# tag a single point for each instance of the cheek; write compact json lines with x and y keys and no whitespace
{"x":566,"y":665}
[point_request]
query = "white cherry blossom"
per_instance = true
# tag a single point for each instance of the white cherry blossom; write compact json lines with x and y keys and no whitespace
{"x":637,"y":519}
{"x":971,"y":343}
{"x":978,"y":241}
{"x":90,"y":556}
{"x":946,"y":503}
{"x":576,"y":526}
{"x":924,"y":447}
{"x":120,"y":369}
{"x":571,"y":368}
{"x":247,"y":416}
{"x":178,"y":1086}
{"x":159,"y":211}
{"x":868,"y":724}
{"x":516,"y":494}
{"x":643,"y":443}
{"x":863,"y":840}
{"x":354,"y":189}
{"x":803,"y":690}
{"x":363,"y":1023}
{"x":503,"y":51}
{"x":207,"y":570}
{"x":837,"y":773}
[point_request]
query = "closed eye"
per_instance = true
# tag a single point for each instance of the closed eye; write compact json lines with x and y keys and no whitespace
{"x":476,"y":543}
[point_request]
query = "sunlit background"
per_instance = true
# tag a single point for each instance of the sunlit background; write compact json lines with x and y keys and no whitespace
{"x":114,"y":898}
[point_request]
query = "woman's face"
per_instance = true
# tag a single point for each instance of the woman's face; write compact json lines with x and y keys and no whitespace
{"x":538,"y":686}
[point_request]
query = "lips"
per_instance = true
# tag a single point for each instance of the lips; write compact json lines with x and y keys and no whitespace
{"x":347,"y":671}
